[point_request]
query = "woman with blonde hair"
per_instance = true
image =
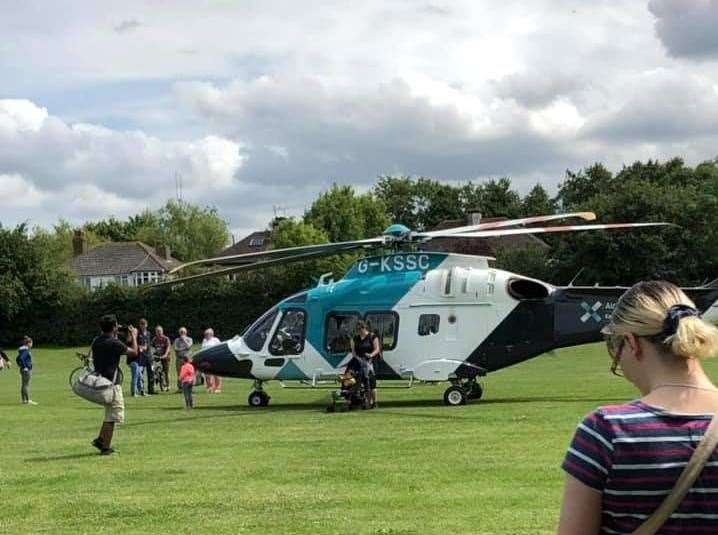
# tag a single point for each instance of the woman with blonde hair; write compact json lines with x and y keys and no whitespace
{"x":625,"y":459}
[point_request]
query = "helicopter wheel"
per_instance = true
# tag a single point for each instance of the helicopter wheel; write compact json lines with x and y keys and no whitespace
{"x":258,"y":398}
{"x":455,"y":396}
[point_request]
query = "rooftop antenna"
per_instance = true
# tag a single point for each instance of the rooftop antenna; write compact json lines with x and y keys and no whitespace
{"x":178,"y":185}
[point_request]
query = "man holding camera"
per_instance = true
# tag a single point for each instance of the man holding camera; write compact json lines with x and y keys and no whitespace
{"x":106,"y":352}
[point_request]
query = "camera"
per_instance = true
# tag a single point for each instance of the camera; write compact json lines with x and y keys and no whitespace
{"x":123,"y":333}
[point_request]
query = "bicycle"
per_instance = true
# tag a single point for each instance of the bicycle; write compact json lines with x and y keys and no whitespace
{"x":87,"y":365}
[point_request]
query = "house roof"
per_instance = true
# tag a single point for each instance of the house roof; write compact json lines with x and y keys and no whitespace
{"x":254,"y":243}
{"x":120,"y":258}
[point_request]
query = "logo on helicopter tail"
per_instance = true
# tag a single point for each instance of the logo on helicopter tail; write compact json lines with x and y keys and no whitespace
{"x":591,"y":312}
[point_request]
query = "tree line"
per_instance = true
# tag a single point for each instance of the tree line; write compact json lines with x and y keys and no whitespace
{"x":38,"y":294}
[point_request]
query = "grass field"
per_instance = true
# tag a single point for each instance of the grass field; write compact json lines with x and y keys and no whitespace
{"x":411,"y":466}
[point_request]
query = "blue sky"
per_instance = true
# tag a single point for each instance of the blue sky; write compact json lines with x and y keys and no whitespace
{"x":258,"y":104}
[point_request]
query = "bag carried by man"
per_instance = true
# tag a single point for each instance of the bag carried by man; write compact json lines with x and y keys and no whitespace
{"x":94,"y":387}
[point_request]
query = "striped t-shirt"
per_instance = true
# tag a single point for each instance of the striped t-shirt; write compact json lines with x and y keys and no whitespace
{"x":633,"y":453}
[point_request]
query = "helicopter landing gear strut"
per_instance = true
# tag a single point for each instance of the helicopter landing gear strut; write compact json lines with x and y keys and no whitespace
{"x":462,"y":390}
{"x":258,"y":397}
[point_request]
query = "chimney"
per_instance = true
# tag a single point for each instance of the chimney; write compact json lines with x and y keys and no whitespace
{"x":163,"y":251}
{"x":79,"y":243}
{"x":473,"y":217}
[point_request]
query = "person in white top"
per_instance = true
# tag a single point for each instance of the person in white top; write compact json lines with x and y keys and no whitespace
{"x":212,"y":382}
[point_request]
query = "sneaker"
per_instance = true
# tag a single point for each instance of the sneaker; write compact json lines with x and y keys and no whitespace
{"x":97,"y":443}
{"x":31,"y":402}
{"x":142,"y":393}
{"x":107,"y":451}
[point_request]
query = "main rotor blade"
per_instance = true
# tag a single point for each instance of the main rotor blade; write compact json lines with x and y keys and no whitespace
{"x":586,"y":216}
{"x":258,"y":265}
{"x":287,"y":251}
{"x":542,"y":230}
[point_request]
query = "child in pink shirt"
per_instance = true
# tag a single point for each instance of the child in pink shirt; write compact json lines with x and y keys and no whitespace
{"x":186,"y":378}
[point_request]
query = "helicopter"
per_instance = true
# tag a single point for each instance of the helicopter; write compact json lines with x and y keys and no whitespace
{"x":440,"y":317}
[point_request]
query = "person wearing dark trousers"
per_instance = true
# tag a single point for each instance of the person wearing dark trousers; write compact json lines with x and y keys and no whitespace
{"x":24,"y":364}
{"x":161,"y":350}
{"x":144,"y":337}
{"x":106,"y":353}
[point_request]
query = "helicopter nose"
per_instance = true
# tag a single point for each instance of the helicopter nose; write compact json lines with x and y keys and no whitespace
{"x":219,"y":360}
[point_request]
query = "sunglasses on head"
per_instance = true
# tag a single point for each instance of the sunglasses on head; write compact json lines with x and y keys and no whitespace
{"x":614,"y":345}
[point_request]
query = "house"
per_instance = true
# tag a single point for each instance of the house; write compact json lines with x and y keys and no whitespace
{"x":125,"y":263}
{"x":256,"y":242}
{"x":479,"y":246}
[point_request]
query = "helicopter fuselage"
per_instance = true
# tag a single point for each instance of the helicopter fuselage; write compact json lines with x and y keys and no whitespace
{"x":439,"y":317}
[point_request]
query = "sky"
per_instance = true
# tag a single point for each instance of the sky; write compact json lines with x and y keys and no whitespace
{"x":259,"y":106}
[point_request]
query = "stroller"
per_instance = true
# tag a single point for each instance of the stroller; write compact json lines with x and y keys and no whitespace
{"x":352,"y":392}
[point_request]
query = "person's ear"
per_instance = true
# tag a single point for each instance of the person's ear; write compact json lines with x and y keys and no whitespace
{"x":633,"y":343}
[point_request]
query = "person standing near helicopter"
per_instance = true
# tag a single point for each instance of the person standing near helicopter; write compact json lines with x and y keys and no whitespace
{"x":366,"y":349}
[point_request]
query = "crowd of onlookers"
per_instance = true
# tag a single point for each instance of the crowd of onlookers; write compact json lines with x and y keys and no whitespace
{"x":149,"y":367}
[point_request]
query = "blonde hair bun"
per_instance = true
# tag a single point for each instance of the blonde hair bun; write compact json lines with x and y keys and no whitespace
{"x":645,"y":309}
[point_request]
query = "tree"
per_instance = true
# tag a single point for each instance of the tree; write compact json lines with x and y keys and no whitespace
{"x":537,"y":202}
{"x":192,"y":232}
{"x":32,"y":286}
{"x":344,"y":215}
{"x":498,"y":199}
{"x":57,"y":243}
{"x":670,"y":192}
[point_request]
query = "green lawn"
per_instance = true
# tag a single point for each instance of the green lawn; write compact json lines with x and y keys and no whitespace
{"x":411,"y":466}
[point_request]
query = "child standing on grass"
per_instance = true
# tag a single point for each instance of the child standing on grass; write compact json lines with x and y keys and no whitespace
{"x":24,"y":363}
{"x":186,"y":378}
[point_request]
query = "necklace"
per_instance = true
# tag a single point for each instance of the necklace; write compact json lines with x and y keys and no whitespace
{"x":685,"y":385}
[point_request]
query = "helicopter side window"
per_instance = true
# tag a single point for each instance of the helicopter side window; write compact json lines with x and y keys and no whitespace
{"x":429,"y":324}
{"x":385,"y":325}
{"x":288,"y":339}
{"x":339,"y":330}
{"x":258,"y":333}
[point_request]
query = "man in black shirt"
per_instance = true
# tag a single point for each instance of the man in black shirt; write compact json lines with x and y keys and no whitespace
{"x":106,"y":352}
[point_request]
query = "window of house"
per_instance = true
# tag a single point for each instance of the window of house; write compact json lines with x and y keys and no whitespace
{"x":385,"y":325}
{"x":340,"y":327}
{"x":428,"y":324}
{"x":288,"y":339}
{"x":258,"y":333}
{"x":256,"y":242}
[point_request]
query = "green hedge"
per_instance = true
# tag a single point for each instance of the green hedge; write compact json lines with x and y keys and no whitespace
{"x":228,"y":307}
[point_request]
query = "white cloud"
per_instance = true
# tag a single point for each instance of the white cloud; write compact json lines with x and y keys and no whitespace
{"x":257,"y":104}
{"x":20,"y":115}
{"x":16,"y":192}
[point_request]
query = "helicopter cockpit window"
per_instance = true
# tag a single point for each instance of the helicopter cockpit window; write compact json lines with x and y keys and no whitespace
{"x":339,"y":331}
{"x":288,"y":339}
{"x":385,"y":326}
{"x":429,"y":324}
{"x":257,"y":334}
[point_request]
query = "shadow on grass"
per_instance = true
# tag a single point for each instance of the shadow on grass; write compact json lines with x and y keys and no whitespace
{"x":69,"y":457}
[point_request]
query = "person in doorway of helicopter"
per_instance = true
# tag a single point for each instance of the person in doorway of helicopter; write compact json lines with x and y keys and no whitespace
{"x":625,"y":459}
{"x":365,"y":350}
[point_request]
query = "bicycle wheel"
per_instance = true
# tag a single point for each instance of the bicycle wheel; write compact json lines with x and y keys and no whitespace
{"x":74,"y":374}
